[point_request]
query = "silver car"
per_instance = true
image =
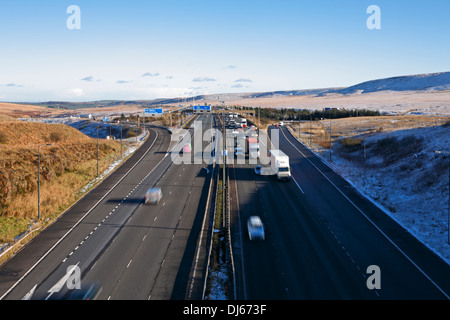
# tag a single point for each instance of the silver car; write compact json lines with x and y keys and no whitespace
{"x":153,"y":196}
{"x":255,"y":228}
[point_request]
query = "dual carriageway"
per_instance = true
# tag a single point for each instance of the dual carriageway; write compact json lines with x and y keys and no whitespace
{"x":321,"y":234}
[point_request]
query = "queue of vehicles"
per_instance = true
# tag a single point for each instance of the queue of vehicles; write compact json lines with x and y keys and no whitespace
{"x":279,"y":166}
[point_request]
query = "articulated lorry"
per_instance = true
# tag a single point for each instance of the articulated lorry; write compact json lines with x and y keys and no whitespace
{"x":279,"y":163}
{"x":252,"y":147}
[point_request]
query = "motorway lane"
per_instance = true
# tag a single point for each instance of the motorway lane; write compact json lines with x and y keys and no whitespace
{"x":409,"y":270}
{"x":318,"y":245}
{"x":146,"y":239}
{"x":98,"y":230}
{"x":297,"y":260}
{"x":144,"y":260}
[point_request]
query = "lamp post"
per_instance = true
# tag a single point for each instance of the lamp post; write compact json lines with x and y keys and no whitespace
{"x":97,"y":151}
{"x":120,"y":140}
{"x":310,"y":131}
{"x":448,"y":216}
{"x":39,"y":179}
{"x":331,"y":146}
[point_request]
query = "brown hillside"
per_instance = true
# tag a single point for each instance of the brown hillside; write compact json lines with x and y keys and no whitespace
{"x":66,"y":166}
{"x":16,"y":110}
{"x":21,"y":134}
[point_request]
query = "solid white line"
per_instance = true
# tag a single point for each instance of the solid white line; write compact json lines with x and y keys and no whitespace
{"x":297,"y":184}
{"x":357,"y":208}
{"x":95,"y":263}
{"x":244,"y":281}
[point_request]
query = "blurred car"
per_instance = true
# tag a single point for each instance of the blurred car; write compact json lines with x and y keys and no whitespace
{"x":187,"y":147}
{"x":153,"y":196}
{"x":87,"y":292}
{"x":255,"y":228}
{"x":238,"y":152}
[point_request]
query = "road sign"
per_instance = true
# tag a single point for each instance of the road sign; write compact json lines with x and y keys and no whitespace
{"x":105,"y":119}
{"x":202,"y":108}
{"x":153,"y":111}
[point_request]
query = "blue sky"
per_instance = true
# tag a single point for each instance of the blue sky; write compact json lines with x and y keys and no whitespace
{"x":140,"y":49}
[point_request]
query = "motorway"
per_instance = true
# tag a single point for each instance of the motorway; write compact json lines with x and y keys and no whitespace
{"x":321,"y":237}
{"x":125,"y":248}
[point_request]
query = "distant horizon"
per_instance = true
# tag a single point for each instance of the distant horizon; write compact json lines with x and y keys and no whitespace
{"x":90,"y":50}
{"x":221,"y":93}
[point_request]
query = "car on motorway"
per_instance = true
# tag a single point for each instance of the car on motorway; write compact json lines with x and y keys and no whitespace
{"x":153,"y":196}
{"x":187,"y":148}
{"x":88,"y":291}
{"x":255,"y":228}
{"x":238,"y":152}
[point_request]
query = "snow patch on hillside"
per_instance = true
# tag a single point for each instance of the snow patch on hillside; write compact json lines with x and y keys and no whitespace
{"x":429,"y":82}
{"x":413,"y":191}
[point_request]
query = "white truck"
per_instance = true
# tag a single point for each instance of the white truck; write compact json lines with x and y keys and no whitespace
{"x":279,"y":163}
{"x":252,"y":147}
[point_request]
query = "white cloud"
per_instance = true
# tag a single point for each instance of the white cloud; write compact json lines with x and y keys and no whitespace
{"x":123,"y":81}
{"x":88,"y":79}
{"x":148,"y":74}
{"x":14,"y":85}
{"x":243,"y":80}
{"x":203,"y":79}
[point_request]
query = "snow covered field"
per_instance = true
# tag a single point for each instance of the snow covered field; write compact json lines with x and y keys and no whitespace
{"x":414,"y":190}
{"x":427,"y":94}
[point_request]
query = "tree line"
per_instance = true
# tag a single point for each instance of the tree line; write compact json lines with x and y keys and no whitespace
{"x":305,"y":114}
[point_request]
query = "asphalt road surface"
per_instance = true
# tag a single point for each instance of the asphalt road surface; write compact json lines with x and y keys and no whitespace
{"x":123,"y":248}
{"x":324,"y":239}
{"x":322,"y":236}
